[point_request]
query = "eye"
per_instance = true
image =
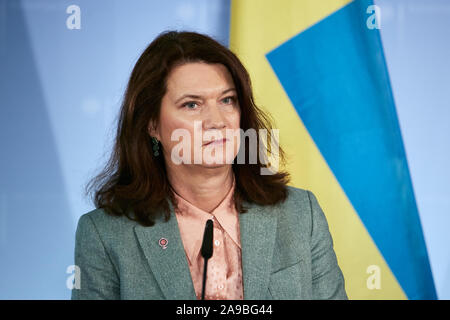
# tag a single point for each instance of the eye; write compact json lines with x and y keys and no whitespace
{"x":229,"y":100}
{"x":190,"y":104}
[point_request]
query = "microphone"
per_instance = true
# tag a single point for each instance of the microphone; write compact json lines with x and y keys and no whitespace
{"x":206,"y":250}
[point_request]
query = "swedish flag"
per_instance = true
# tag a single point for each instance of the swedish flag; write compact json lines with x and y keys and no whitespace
{"x":318,"y":67}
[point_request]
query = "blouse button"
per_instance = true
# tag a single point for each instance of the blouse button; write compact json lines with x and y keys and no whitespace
{"x":220,"y":286}
{"x":217,"y":242}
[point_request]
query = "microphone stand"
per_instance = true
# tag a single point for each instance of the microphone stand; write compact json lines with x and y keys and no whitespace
{"x":206,"y":251}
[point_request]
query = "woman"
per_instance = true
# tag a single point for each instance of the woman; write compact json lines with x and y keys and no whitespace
{"x":186,"y":108}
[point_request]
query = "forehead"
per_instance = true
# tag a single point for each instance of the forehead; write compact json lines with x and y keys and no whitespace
{"x":198,"y":78}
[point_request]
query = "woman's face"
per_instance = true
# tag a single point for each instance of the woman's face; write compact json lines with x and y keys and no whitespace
{"x":200,"y":105}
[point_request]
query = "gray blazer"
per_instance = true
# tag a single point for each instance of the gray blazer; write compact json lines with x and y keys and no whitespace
{"x":287,"y":253}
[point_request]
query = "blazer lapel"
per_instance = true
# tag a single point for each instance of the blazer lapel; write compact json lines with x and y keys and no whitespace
{"x":258,"y":228}
{"x":169,"y":265}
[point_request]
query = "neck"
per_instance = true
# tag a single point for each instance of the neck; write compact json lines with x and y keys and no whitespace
{"x":205,"y":188}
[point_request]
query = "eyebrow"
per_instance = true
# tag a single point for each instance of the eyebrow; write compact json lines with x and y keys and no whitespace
{"x":193,"y":96}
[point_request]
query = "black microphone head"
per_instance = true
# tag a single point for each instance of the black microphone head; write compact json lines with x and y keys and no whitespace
{"x":207,"y":245}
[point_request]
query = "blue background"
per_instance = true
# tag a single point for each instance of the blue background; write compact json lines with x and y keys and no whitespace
{"x":61,"y":89}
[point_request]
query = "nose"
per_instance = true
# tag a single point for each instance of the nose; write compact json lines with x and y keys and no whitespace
{"x":214,"y":118}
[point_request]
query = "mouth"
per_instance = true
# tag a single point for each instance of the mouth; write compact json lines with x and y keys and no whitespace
{"x":214,"y":142}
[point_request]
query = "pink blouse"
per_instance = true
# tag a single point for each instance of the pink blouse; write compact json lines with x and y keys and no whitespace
{"x":224,"y":274}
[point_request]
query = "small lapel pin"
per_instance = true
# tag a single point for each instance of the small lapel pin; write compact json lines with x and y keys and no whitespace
{"x":163,"y":243}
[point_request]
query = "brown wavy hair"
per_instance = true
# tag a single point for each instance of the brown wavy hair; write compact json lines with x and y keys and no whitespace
{"x":134,"y":182}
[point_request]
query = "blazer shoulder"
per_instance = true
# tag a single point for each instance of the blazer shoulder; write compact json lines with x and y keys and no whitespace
{"x":106,"y":224}
{"x":299,"y":207}
{"x":298,"y":199}
{"x":100,"y":215}
{"x":297,"y":191}
{"x":97,"y":216}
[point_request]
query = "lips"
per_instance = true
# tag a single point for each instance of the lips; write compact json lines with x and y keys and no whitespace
{"x":218,"y":141}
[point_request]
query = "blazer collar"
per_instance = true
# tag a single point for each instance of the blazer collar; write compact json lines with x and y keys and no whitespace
{"x":170,"y":266}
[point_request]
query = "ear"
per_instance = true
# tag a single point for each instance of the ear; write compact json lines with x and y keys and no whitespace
{"x":153,"y":131}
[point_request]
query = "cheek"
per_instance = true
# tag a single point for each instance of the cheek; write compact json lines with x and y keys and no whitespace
{"x":182,"y":128}
{"x":235,"y":123}
{"x":234,"y":119}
